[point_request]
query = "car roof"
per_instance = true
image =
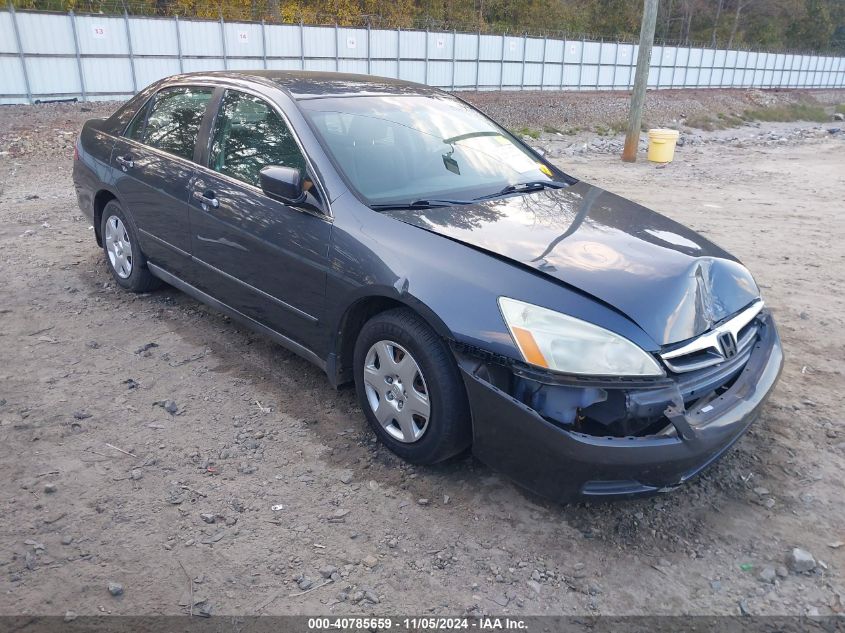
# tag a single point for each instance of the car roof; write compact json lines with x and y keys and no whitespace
{"x":312,"y":84}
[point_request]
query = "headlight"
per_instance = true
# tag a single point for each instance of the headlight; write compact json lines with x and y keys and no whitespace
{"x":563,"y":343}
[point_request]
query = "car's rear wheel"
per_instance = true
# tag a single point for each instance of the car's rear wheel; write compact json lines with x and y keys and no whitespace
{"x":124,"y":258}
{"x":410,"y":389}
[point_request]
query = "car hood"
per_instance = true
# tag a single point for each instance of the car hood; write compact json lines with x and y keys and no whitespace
{"x":671,"y":281}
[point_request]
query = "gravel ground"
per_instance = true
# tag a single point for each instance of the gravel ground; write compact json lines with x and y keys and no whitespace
{"x":157,"y":458}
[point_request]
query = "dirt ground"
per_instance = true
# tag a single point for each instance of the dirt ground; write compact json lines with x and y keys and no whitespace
{"x":265,"y":481}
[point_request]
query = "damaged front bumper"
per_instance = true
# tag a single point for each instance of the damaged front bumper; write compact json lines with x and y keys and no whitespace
{"x":554,"y":436}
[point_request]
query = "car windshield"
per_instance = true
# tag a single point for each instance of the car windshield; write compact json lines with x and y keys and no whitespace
{"x":404,"y":149}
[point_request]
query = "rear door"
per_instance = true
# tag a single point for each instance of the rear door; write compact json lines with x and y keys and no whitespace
{"x":154,"y":163}
{"x":261,"y":256}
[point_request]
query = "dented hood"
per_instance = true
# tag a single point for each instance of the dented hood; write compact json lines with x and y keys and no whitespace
{"x":671,"y":281}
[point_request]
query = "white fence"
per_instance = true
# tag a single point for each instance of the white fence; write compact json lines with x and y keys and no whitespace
{"x":49,"y":56}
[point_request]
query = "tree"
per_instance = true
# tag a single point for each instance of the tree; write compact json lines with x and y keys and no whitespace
{"x":741,"y":5}
{"x":815,"y":28}
{"x":614,"y":18}
{"x":719,"y":5}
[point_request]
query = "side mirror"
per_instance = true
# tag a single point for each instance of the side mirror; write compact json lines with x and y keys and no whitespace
{"x":540,"y":151}
{"x":282,"y":183}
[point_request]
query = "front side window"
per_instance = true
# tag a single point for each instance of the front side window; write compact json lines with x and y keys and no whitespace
{"x":175,"y":118}
{"x":249,"y":135}
{"x":407,"y":148}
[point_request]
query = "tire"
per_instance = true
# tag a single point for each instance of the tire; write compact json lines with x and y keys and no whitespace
{"x":391,"y":390}
{"x":123,"y":253}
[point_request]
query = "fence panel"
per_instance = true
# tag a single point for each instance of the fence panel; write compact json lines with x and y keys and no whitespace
{"x":8,"y":41}
{"x":47,"y":56}
{"x":153,"y":36}
{"x":100,"y":35}
{"x":14,"y":82}
{"x":383,"y":45}
{"x":46,"y":33}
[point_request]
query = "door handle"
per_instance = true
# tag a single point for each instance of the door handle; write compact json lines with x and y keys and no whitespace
{"x":125,"y":162}
{"x":207,"y":198}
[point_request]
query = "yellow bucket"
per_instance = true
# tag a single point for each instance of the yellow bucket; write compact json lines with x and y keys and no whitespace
{"x":661,"y":145}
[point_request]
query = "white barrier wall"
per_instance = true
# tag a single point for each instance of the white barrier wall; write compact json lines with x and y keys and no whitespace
{"x":48,"y":56}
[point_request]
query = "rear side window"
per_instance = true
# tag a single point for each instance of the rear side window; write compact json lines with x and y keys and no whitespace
{"x":117,"y":121}
{"x":135,"y":131}
{"x":249,"y":135}
{"x":174,"y":120}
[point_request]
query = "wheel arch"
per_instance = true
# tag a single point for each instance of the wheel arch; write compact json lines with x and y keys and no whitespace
{"x":101,"y":199}
{"x":357,"y":313}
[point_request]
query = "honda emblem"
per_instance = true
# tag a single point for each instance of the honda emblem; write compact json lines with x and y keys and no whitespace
{"x":728,"y":344}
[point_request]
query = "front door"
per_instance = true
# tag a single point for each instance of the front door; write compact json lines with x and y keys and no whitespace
{"x":154,"y":165}
{"x":265,"y":258}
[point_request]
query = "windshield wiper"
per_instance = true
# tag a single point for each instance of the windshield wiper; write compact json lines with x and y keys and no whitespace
{"x":525,"y":187}
{"x":420,"y":204}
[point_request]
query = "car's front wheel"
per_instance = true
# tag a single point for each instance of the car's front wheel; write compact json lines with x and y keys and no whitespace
{"x":410,"y":389}
{"x":124,"y":258}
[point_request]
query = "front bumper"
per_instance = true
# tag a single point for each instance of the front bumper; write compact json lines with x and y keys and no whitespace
{"x":563,"y":464}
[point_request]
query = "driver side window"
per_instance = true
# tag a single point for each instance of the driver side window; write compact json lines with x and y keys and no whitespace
{"x":249,"y":135}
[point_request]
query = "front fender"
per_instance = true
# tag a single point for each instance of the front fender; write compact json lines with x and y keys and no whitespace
{"x":453,"y":286}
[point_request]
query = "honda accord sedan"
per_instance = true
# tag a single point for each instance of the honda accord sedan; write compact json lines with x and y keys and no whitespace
{"x":476,"y":296}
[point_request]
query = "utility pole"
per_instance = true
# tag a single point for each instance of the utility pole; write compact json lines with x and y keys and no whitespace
{"x":635,"y":117}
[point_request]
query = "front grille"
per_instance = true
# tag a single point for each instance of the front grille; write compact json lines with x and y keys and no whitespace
{"x":723,"y":342}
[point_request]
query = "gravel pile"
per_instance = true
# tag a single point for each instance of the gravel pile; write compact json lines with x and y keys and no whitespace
{"x":568,"y":111}
{"x":49,"y":128}
{"x":754,"y":135}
